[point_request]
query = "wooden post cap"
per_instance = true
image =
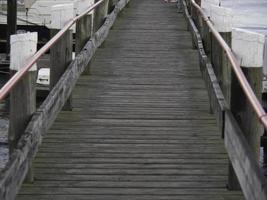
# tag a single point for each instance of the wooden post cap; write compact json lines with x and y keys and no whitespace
{"x":249,"y":44}
{"x":23,"y":46}
{"x":61,"y":14}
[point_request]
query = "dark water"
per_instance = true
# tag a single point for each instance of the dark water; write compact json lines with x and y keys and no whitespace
{"x":3,"y":128}
{"x":263,"y":162}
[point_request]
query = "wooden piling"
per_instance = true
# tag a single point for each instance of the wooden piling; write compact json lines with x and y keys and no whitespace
{"x":61,"y":52}
{"x":83,"y":32}
{"x":206,"y":38}
{"x":239,"y":105}
{"x":23,"y":95}
{"x":100,"y":14}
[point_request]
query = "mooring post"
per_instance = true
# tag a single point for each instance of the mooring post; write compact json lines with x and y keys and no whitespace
{"x":244,"y":43}
{"x":100,"y":14}
{"x":249,"y":48}
{"x":83,"y":29}
{"x":23,"y":95}
{"x":61,"y":52}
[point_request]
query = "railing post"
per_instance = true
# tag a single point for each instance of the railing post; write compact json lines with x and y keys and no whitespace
{"x":61,"y":52}
{"x":194,"y":16}
{"x":83,"y":29}
{"x":206,"y":38}
{"x":226,"y":76}
{"x":23,"y":95}
{"x":100,"y":14}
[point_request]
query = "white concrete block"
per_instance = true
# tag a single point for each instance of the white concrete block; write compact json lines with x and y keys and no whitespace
{"x":222,"y":18}
{"x":239,"y":15}
{"x":206,"y":5}
{"x":43,"y":76}
{"x":249,"y":46}
{"x":61,"y":14}
{"x":22,"y":47}
{"x":83,"y":5}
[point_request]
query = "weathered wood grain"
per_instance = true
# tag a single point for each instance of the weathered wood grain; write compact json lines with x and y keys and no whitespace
{"x":13,"y":175}
{"x":60,"y":58}
{"x":238,"y":104}
{"x":140,"y":127}
{"x":243,"y":160}
{"x":216,"y":97}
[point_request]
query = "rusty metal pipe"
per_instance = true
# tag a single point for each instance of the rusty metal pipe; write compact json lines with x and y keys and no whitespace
{"x":254,"y":102}
{"x":19,"y":75}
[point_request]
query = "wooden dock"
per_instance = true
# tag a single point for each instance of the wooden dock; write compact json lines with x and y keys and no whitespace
{"x":140,"y":127}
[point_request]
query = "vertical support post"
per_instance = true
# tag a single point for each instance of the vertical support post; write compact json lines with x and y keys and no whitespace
{"x":226,"y":70}
{"x":83,"y":30}
{"x":194,"y":17}
{"x":61,"y":52}
{"x":11,"y":21}
{"x":243,"y":43}
{"x":100,"y":13}
{"x":228,"y":85}
{"x":216,"y":57}
{"x":206,"y":37}
{"x":223,"y":70}
{"x":23,"y":96}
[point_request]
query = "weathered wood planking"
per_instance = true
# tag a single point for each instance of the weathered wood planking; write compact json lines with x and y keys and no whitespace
{"x":140,"y":127}
{"x":244,"y":164}
{"x":216,"y":97}
{"x":243,"y":160}
{"x":14,"y":173}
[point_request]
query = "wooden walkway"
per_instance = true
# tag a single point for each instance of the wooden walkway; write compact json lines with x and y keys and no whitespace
{"x":140,"y":127}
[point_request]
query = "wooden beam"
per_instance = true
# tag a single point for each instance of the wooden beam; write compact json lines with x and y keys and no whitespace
{"x":100,"y":14}
{"x":61,"y":52}
{"x":83,"y":34}
{"x":245,"y":165}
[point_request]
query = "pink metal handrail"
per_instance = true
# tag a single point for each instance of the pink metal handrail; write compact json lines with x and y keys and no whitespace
{"x":254,"y":102}
{"x":4,"y":91}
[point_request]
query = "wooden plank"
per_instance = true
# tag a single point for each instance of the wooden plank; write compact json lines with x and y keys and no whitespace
{"x":217,"y":101}
{"x":243,"y":160}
